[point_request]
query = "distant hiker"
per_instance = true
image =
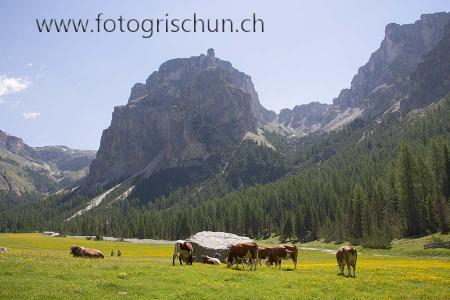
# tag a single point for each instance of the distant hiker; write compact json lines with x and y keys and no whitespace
{"x":112,"y":252}
{"x":119,"y":253}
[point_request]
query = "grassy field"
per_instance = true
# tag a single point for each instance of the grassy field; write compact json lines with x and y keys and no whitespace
{"x":40,"y":267}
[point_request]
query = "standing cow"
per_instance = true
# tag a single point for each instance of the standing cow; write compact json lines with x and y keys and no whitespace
{"x":264,"y":253}
{"x":239,"y":253}
{"x":278,"y":253}
{"x":347,"y":255}
{"x":183,"y":250}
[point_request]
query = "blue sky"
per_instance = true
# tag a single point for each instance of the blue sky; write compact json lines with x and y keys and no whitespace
{"x":60,"y":88}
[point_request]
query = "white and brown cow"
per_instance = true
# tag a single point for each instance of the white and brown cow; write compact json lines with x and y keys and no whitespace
{"x":210,"y":260}
{"x":347,"y":255}
{"x":183,"y":251}
{"x":242,"y":252}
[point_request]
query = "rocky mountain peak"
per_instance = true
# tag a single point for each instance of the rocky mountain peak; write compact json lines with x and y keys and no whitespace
{"x":398,"y":56}
{"x":186,"y":113}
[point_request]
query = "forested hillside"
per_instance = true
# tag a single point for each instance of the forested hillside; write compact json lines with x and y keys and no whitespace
{"x":392,"y":182}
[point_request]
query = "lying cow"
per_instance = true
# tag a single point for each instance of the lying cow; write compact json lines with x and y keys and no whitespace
{"x":240,"y":253}
{"x":278,"y":253}
{"x":210,"y":260}
{"x":78,"y":251}
{"x":2,"y":249}
{"x":183,"y":251}
{"x":347,"y":255}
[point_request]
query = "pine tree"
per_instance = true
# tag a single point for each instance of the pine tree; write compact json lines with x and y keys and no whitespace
{"x":289,"y":228}
{"x":408,"y":190}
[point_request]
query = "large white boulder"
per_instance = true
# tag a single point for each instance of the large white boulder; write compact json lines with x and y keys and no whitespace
{"x":209,"y":243}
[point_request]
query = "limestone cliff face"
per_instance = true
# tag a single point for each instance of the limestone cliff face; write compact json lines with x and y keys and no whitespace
{"x":431,"y":79}
{"x":385,"y":79}
{"x":388,"y":69}
{"x":187,"y":112}
{"x":14,"y":144}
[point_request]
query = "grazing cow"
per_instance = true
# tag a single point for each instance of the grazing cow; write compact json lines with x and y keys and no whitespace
{"x":2,"y":249}
{"x":264,"y":253}
{"x":347,"y":255}
{"x":78,"y":251}
{"x":210,"y":260}
{"x":278,"y":253}
{"x":239,"y":253}
{"x":183,"y":250}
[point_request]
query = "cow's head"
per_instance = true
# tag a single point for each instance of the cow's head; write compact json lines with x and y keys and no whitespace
{"x":190,"y":259}
{"x":73,"y":249}
{"x":229,"y":262}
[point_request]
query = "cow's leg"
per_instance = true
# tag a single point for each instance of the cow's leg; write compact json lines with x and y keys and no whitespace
{"x":295,"y":263}
{"x":341,"y":268}
{"x":354,"y":270}
{"x":349,"y":270}
{"x":173,"y":260}
{"x":181,"y":263}
{"x":252,"y":263}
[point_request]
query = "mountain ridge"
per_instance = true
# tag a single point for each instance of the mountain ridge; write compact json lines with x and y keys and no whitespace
{"x":45,"y":169}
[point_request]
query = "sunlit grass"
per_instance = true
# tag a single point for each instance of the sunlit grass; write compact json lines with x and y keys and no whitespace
{"x":40,"y":267}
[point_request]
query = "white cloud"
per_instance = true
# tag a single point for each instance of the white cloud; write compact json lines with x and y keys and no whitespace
{"x":10,"y":85}
{"x":31,"y":115}
{"x":30,"y":64}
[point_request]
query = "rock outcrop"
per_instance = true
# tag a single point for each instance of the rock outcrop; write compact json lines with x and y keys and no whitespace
{"x":185,"y":115}
{"x":14,"y":144}
{"x":431,"y":79}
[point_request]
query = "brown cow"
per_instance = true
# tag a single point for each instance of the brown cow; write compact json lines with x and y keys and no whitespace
{"x":239,"y":253}
{"x":264,"y":253}
{"x":210,"y":260}
{"x":78,"y":251}
{"x":278,"y":253}
{"x":183,"y":250}
{"x":347,"y":255}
